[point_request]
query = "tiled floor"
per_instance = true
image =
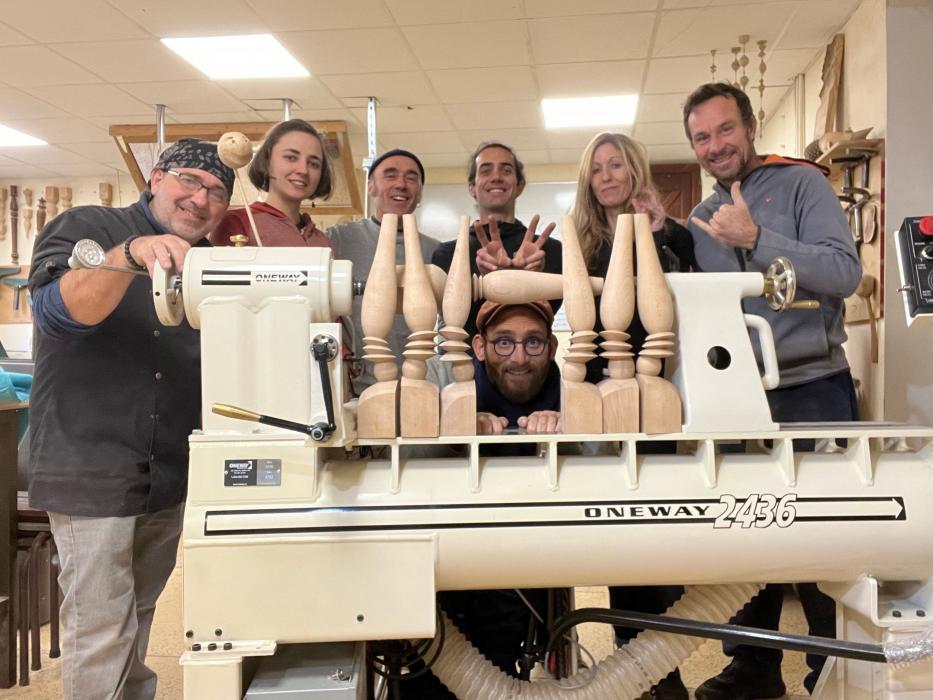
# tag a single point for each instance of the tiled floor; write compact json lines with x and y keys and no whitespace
{"x":167,"y":643}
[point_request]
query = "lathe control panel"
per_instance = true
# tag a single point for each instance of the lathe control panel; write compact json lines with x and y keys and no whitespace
{"x":914,"y":242}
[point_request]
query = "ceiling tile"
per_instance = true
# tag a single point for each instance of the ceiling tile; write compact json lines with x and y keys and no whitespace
{"x":591,"y":38}
{"x":37,"y":65}
{"x":593,"y":78}
{"x":139,"y":60}
{"x":185,"y":96}
{"x":87,"y":169}
{"x":677,"y":74}
{"x":92,"y":20}
{"x":496,"y":115}
{"x":10,"y":37}
{"x":671,"y":154}
{"x":308,"y":93}
{"x":660,"y":133}
{"x":42,"y":155}
{"x":562,"y":8}
{"x":340,"y":114}
{"x":209,"y":117}
{"x":23,"y":171}
{"x":661,"y":108}
{"x":535,"y":157}
{"x":350,"y":51}
{"x":815,"y":23}
{"x":404,"y":88}
{"x":108,"y":120}
{"x":302,"y":15}
{"x":174,"y":18}
{"x":519,"y":139}
{"x":60,"y":129}
{"x":391,"y":120}
{"x":782,"y":66}
{"x":90,"y":100}
{"x":430,"y":142}
{"x":686,"y":32}
{"x":16,"y":104}
{"x":679,"y":4}
{"x":563,"y":139}
{"x":566,"y":155}
{"x":101,"y":152}
{"x":409,"y":12}
{"x":485,"y":84}
{"x":469,"y":44}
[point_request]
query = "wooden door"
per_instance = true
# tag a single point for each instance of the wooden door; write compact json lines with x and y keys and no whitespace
{"x":679,"y":187}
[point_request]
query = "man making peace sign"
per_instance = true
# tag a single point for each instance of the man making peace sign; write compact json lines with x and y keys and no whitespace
{"x":498,"y":240}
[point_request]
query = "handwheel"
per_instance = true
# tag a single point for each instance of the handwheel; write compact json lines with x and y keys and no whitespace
{"x":167,"y":296}
{"x":780,"y":284}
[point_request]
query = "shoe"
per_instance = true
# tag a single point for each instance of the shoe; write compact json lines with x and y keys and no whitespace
{"x":670,"y":687}
{"x":743,"y":679}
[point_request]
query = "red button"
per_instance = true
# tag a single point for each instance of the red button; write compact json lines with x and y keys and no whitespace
{"x":926,"y":225}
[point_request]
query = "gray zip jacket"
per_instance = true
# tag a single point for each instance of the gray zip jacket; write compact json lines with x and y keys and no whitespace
{"x":800,"y":218}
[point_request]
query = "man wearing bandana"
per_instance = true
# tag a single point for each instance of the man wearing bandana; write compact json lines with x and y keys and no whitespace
{"x":115,"y":396}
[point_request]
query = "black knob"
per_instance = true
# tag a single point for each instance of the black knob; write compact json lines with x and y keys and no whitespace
{"x":927,"y":252}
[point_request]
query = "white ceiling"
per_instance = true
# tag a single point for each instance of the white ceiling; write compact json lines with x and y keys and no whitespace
{"x":447,"y":73}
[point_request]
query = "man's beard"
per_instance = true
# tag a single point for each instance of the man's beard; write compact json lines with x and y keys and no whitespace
{"x":515,"y":390}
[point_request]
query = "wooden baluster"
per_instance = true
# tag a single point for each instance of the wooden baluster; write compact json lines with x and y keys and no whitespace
{"x":51,"y":197}
{"x":27,"y":212}
{"x":66,"y":198}
{"x":14,"y":224}
{"x":661,"y":409}
{"x":581,"y":404}
{"x":377,"y":415}
{"x":419,"y":399}
{"x":616,"y":308}
{"x":105,"y":190}
{"x":4,"y":198}
{"x":458,"y":400}
{"x":40,"y":216}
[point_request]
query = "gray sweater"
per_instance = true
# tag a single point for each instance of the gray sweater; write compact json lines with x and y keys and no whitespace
{"x":800,"y":218}
{"x":356,"y":242}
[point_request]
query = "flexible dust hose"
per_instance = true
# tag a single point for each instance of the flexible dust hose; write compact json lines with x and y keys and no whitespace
{"x":910,"y":651}
{"x":628,"y":673}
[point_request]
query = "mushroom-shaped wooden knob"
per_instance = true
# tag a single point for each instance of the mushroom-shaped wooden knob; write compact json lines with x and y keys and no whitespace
{"x":234,"y":149}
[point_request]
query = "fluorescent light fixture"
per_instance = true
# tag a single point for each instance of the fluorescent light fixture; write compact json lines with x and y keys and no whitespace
{"x":238,"y":57}
{"x":12,"y":137}
{"x":608,"y":110}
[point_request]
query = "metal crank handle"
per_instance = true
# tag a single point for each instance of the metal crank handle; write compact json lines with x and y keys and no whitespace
{"x":237,"y":413}
{"x":89,"y":255}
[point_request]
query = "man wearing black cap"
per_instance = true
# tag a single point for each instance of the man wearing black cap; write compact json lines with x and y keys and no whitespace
{"x":115,"y":396}
{"x":395,"y":182}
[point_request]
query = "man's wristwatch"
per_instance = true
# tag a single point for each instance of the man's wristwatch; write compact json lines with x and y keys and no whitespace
{"x":130,"y":260}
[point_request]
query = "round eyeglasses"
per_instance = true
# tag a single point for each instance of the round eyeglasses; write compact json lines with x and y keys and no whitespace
{"x":191,"y":184}
{"x":533,"y":346}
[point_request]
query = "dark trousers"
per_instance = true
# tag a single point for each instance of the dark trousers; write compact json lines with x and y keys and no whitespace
{"x":831,"y":398}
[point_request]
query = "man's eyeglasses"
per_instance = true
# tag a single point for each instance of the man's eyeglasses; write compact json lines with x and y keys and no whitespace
{"x":191,"y":184}
{"x":533,"y":346}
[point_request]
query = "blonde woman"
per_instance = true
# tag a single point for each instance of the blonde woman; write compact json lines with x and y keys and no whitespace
{"x":615,"y":179}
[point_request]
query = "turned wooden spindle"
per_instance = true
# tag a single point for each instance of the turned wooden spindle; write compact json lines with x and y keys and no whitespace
{"x":581,"y":403}
{"x":51,"y":198}
{"x":105,"y":191}
{"x":419,"y":399}
{"x":4,"y":198}
{"x":661,"y":409}
{"x":458,"y":400}
{"x":235,"y":151}
{"x":14,"y":224}
{"x":616,"y":309}
{"x":66,"y":198}
{"x":40,"y":215}
{"x":378,"y":406}
{"x":27,"y":212}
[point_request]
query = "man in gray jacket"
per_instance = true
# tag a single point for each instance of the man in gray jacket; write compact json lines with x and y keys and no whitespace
{"x":762,"y":207}
{"x":396,"y":179}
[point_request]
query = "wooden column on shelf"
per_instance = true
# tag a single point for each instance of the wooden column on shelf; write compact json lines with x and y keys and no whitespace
{"x":14,"y":224}
{"x":581,"y":406}
{"x":27,"y":212}
{"x":105,"y":190}
{"x":419,"y":399}
{"x":616,"y":308}
{"x":377,"y":415}
{"x":458,"y":400}
{"x":66,"y":198}
{"x":661,"y":409}
{"x":40,"y":216}
{"x":4,"y":198}
{"x":51,"y":198}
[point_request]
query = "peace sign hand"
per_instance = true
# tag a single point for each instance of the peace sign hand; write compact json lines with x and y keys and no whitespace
{"x":491,"y":255}
{"x":732,"y":224}
{"x":530,"y":254}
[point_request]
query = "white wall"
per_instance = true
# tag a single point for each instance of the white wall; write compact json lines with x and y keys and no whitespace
{"x":908,"y":381}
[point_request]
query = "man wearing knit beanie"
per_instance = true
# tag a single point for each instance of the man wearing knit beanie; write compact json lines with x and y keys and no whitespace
{"x":114,"y":398}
